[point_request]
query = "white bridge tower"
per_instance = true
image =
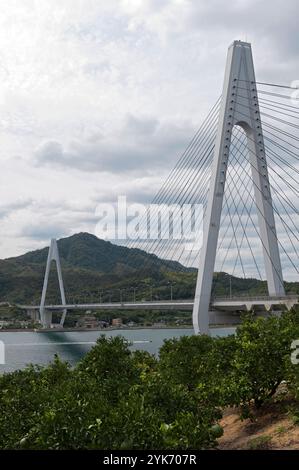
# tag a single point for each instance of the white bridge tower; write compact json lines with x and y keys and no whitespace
{"x":45,"y":316}
{"x":237,"y":110}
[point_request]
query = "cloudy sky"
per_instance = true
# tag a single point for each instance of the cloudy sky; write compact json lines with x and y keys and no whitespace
{"x":98,"y":98}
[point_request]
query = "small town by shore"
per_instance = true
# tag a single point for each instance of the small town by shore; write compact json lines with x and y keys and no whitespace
{"x":15,"y":319}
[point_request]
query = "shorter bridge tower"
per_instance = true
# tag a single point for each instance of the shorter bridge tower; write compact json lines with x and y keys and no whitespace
{"x":46,"y":316}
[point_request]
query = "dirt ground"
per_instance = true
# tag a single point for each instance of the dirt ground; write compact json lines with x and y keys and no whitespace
{"x":273,"y":428}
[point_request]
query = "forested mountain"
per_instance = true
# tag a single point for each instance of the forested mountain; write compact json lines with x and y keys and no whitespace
{"x":93,"y":267}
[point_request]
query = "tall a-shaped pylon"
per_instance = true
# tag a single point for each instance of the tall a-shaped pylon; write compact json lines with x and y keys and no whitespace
{"x":239,"y":107}
{"x":53,"y":255}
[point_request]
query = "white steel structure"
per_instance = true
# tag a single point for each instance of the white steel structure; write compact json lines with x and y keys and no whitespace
{"x":46,"y":316}
{"x":237,"y":109}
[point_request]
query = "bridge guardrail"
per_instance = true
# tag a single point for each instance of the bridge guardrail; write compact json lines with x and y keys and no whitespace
{"x":256,"y":297}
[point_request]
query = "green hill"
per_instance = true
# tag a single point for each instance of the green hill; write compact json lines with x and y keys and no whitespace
{"x":91,"y":265}
{"x":88,"y":264}
{"x":86,"y":251}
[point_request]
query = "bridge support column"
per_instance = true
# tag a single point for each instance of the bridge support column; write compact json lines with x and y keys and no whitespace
{"x":241,"y":109}
{"x":33,"y":314}
{"x":47,"y":319}
{"x":53,"y":255}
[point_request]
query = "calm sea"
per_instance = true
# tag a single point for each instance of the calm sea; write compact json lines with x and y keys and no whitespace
{"x":22,"y":348}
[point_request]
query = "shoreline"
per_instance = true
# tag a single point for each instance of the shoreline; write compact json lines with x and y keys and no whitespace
{"x":68,"y":330}
{"x":103,"y":330}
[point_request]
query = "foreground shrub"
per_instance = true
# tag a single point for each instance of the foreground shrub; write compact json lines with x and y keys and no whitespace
{"x":24,"y":395}
{"x":118,"y":399}
{"x":201,"y":363}
{"x":292,"y":360}
{"x":238,"y":370}
{"x":262,"y":348}
{"x":113,"y":399}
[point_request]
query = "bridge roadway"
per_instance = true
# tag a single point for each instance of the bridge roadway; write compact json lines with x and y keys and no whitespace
{"x":222,"y":310}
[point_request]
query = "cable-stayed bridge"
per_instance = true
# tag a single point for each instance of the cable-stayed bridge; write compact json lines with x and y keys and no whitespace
{"x":242,"y":169}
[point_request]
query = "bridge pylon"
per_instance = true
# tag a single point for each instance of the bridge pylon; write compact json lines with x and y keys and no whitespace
{"x":53,"y":255}
{"x":237,"y":109}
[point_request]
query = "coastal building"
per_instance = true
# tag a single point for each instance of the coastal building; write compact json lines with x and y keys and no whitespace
{"x":88,"y":321}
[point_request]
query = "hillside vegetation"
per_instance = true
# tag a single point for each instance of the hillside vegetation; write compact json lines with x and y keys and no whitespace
{"x":91,"y":265}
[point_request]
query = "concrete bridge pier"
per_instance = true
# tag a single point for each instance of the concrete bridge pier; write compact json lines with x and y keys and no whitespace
{"x":33,"y":314}
{"x":47,"y":320}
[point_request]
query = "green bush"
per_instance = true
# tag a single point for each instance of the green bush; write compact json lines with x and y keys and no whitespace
{"x":23,"y":397}
{"x":262,"y":348}
{"x":292,"y":368}
{"x":118,"y":399}
{"x":200,"y":363}
{"x":113,"y":399}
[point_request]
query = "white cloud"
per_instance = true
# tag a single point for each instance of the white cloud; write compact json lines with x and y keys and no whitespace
{"x":141,"y":144}
{"x":99,"y":98}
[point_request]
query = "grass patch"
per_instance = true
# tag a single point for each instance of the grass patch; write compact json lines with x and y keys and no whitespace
{"x":260,"y":442}
{"x":281,"y":429}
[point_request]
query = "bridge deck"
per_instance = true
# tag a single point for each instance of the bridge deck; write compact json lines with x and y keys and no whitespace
{"x":222,"y":304}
